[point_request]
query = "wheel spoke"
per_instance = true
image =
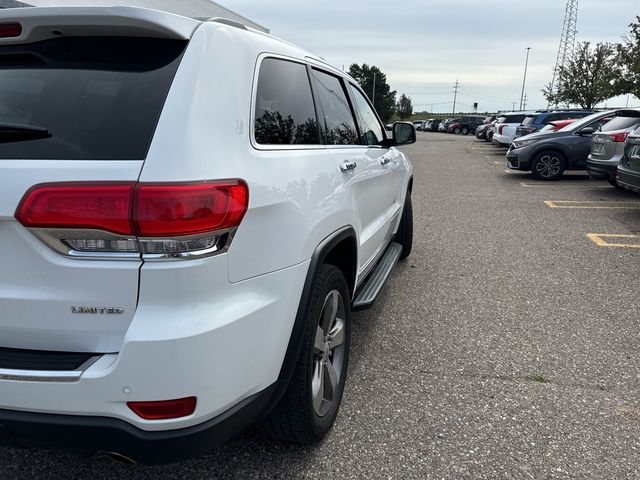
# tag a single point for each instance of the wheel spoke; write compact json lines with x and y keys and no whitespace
{"x":332,"y":379}
{"x":317,"y":385}
{"x":318,"y":343}
{"x":336,"y":335}
{"x":330,"y":311}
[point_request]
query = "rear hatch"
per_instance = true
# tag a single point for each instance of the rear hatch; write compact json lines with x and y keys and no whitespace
{"x":608,"y":143}
{"x":72,"y":109}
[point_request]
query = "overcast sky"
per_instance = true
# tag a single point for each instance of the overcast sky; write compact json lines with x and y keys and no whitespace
{"x":425,"y":45}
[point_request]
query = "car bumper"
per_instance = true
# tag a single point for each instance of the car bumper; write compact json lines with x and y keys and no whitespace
{"x":601,"y":171}
{"x":91,"y":434}
{"x":517,"y":161}
{"x":501,"y":140}
{"x":629,"y":179}
{"x":221,"y":342}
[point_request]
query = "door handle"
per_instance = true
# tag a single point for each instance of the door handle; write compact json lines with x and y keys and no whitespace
{"x":348,"y":165}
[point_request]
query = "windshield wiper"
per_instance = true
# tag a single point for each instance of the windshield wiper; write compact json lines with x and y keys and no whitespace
{"x":13,"y":132}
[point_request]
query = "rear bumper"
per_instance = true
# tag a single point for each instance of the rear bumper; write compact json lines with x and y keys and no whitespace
{"x":90,"y":434}
{"x":629,"y":179}
{"x":601,"y":171}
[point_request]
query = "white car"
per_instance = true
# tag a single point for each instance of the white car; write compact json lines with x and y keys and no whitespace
{"x":189,"y":211}
{"x":506,"y":126}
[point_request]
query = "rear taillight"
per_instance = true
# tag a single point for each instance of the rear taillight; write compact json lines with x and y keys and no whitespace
{"x":164,"y":409}
{"x":10,"y":30}
{"x":158,"y":219}
{"x":619,"y":137}
{"x":500,"y":128}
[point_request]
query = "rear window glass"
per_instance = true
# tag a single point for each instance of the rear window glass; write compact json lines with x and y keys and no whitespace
{"x":529,"y":119}
{"x":90,"y":98}
{"x":620,"y":123}
{"x":514,"y":119}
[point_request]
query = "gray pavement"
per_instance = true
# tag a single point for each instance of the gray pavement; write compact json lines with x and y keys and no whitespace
{"x":506,"y":346}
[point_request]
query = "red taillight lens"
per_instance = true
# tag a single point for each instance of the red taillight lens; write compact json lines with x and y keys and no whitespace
{"x":619,"y":137}
{"x":8,"y":30}
{"x":102,"y":206}
{"x":500,"y":128}
{"x":147,"y":210}
{"x":189,"y":209}
{"x":164,"y":409}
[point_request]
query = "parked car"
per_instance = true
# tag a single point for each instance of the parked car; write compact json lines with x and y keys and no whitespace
{"x":434,"y":124}
{"x":444,"y":124}
{"x":419,"y":125}
{"x":607,"y":146}
{"x":505,"y":130}
{"x":491,"y":130}
{"x":628,"y":175}
{"x":534,"y":122}
{"x":427,"y":124}
{"x":548,"y":154}
{"x":466,"y":124}
{"x":181,"y":253}
{"x":557,"y":125}
{"x":483,"y":128}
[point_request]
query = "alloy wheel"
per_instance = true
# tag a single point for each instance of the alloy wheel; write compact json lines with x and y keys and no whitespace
{"x":548,"y":166}
{"x":328,"y":353}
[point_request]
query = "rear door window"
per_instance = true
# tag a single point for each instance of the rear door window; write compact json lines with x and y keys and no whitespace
{"x":337,"y":122}
{"x":88,"y":98}
{"x":284,"y":112}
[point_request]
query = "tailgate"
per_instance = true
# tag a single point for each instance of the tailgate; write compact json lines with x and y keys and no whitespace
{"x":73,"y":109}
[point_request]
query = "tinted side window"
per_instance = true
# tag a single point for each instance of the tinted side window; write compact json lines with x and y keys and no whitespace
{"x":514,"y":119}
{"x":372,"y":132}
{"x":285,"y":114}
{"x":338,"y":125}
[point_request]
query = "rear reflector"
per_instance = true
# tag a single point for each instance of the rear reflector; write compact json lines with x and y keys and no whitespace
{"x":9,"y":30}
{"x":164,"y":409}
{"x":136,"y":209}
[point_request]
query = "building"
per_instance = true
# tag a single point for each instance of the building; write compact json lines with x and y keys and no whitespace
{"x":187,"y":8}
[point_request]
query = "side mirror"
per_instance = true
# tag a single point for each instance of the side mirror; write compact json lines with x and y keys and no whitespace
{"x":587,"y":131}
{"x":404,"y":133}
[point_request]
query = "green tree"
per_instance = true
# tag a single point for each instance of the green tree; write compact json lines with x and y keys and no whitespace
{"x":589,"y":78}
{"x":629,"y":58}
{"x":385,"y":99}
{"x":404,"y":109}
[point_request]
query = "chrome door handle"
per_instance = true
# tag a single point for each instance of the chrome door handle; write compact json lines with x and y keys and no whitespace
{"x":348,"y":165}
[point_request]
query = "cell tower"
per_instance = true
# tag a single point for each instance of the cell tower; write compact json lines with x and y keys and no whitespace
{"x":567,"y":41}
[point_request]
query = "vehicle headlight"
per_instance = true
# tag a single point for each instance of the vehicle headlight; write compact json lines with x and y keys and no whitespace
{"x":523,"y":143}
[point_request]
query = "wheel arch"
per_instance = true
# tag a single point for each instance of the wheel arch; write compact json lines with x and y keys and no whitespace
{"x":334,"y":249}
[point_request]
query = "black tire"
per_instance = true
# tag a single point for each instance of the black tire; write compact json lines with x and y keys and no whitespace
{"x":298,"y":418}
{"x":613,"y":182}
{"x":465,"y":131}
{"x":456,"y":130}
{"x":404,"y":236}
{"x":548,"y":165}
{"x":489,"y":136}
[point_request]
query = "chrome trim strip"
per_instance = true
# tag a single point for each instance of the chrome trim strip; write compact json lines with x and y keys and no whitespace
{"x":47,"y":375}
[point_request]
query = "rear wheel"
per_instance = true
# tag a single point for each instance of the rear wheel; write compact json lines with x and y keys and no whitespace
{"x":310,"y":405}
{"x":404,"y":236}
{"x":465,"y":130}
{"x":456,"y":130}
{"x":548,"y":165}
{"x":613,"y":182}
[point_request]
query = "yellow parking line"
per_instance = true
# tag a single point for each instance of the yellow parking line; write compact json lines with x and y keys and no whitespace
{"x":563,"y":185}
{"x":599,"y":239}
{"x":592,"y":204}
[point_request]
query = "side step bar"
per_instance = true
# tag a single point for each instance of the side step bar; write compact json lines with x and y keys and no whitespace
{"x":367,"y":294}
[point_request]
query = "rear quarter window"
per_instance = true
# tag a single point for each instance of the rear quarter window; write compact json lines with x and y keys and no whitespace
{"x":284,"y":109}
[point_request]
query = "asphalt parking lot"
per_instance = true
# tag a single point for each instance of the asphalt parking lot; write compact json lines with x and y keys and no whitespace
{"x":506,"y":346}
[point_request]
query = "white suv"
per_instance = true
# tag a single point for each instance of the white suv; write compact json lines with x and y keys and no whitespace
{"x":189,"y":211}
{"x":506,"y":126}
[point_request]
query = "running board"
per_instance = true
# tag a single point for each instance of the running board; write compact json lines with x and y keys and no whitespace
{"x":371,"y":288}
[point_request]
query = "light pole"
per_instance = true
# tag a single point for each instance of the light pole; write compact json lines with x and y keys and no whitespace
{"x":373,"y":100}
{"x":524,"y":79}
